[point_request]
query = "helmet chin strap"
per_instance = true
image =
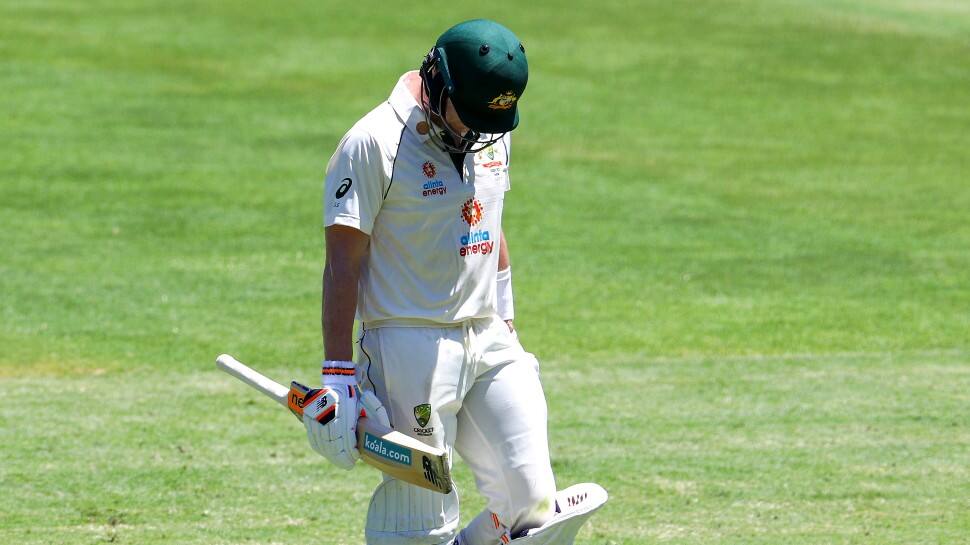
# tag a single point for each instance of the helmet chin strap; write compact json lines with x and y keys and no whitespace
{"x":434,"y":114}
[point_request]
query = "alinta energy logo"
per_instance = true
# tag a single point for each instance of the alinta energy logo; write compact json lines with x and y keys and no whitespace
{"x":474,"y":242}
{"x":432,"y":187}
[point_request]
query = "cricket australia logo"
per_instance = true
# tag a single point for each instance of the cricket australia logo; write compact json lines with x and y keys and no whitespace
{"x":487,"y":159}
{"x":429,"y":169}
{"x":422,"y":414}
{"x":488,"y":152}
{"x":503,"y":101}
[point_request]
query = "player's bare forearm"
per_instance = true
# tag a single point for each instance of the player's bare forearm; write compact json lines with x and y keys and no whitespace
{"x":504,"y":262}
{"x":338,"y":314}
{"x":503,"y":253}
{"x":346,"y":248}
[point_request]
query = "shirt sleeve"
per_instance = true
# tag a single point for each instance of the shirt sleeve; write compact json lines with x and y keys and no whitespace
{"x":507,"y":141}
{"x":354,"y":188}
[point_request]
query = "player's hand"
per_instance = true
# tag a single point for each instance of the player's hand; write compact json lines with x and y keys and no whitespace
{"x":330,"y":414}
{"x":372,"y":408}
{"x":330,"y":420}
{"x":511,"y":327}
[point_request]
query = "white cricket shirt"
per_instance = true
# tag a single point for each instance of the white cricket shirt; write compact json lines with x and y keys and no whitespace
{"x":434,"y":231}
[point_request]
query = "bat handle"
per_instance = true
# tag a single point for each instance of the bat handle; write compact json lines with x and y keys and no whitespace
{"x":253,"y":378}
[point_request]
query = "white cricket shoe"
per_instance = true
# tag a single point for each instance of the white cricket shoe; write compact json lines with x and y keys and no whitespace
{"x":574,"y":506}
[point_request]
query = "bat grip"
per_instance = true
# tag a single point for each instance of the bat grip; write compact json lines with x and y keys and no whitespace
{"x":253,"y":378}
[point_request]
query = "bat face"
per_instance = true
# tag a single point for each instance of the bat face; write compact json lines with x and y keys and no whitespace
{"x":392,"y":452}
{"x":403,"y":457}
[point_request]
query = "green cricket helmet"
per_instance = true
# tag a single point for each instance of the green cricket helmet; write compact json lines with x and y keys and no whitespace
{"x":482,"y":68}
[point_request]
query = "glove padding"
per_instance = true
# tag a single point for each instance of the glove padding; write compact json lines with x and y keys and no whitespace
{"x":330,"y":418}
{"x":372,"y":408}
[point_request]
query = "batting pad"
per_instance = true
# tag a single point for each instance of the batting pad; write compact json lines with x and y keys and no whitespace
{"x":404,"y":514}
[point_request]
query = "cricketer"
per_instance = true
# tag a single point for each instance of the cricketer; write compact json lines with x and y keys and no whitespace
{"x":415,"y":250}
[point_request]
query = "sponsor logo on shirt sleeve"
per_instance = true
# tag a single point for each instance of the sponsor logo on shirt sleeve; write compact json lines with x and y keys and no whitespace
{"x":486,"y":159}
{"x":344,"y":188}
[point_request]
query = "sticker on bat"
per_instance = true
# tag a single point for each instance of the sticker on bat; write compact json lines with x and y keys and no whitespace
{"x":386,"y":450}
{"x":430,"y":473}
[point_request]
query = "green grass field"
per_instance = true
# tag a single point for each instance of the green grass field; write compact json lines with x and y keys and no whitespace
{"x":740,"y":230}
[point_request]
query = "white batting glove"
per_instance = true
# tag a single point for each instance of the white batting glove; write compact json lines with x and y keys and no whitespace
{"x":330,"y":414}
{"x":372,"y":408}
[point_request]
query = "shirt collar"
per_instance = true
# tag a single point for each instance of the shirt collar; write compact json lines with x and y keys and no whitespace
{"x":408,"y":110}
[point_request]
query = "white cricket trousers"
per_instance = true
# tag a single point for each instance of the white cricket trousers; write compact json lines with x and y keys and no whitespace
{"x":486,"y":403}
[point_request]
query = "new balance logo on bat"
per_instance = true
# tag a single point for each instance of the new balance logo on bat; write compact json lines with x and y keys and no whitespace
{"x":430,"y":474}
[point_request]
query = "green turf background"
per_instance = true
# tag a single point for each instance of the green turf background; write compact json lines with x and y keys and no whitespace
{"x":740,"y":230}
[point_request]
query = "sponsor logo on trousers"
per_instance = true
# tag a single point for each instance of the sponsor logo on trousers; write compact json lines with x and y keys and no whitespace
{"x":388,"y":451}
{"x":476,"y":242}
{"x":422,"y":413}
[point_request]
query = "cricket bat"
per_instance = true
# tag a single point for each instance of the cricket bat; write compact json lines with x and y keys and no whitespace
{"x":392,"y":452}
